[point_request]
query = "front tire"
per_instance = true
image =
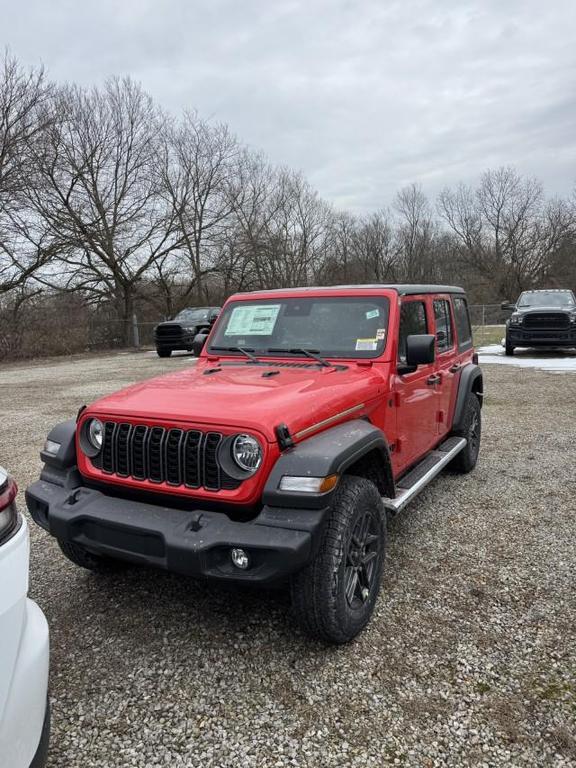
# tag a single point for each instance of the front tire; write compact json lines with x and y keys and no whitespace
{"x":333,"y":598}
{"x":163,"y":352}
{"x":81,"y":557}
{"x":465,"y":461}
{"x":509,"y":349}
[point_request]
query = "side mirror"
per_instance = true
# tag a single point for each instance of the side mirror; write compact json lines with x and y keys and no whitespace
{"x":506,"y":305}
{"x":420,"y":350}
{"x":198,"y":343}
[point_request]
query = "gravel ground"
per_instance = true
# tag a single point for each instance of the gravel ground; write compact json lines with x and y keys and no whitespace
{"x":469,"y":660}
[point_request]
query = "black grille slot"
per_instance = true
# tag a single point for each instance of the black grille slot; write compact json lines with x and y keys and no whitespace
{"x":122,"y":449}
{"x":108,"y":447}
{"x":211,"y":466}
{"x":173,"y":456}
{"x":139,"y":436}
{"x":192,"y":462}
{"x":155,"y":457}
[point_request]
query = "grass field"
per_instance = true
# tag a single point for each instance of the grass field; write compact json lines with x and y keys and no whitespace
{"x":488,"y":334}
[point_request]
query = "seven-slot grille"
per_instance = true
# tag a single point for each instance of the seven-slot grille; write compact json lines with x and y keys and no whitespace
{"x":173,"y":456}
{"x":546,"y":320}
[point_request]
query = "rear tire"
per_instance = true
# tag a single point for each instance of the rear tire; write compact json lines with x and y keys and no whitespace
{"x":333,"y":598}
{"x":163,"y":352}
{"x":465,"y":461}
{"x":80,"y":556}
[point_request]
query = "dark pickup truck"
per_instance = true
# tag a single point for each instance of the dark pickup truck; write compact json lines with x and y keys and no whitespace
{"x":180,"y":332}
{"x":545,"y":318}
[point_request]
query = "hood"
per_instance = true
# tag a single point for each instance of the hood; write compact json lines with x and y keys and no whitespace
{"x":531,"y":310}
{"x":179,"y":324}
{"x":244,"y":395}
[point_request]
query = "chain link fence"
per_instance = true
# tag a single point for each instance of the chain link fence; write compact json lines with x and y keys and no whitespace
{"x":488,"y":323}
{"x":65,"y":333}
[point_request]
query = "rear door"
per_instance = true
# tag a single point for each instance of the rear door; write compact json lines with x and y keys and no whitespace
{"x":447,"y":363}
{"x":415,"y":392}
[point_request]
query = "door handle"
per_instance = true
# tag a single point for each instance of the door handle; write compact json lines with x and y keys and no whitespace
{"x":456,"y":367}
{"x":434,"y":379}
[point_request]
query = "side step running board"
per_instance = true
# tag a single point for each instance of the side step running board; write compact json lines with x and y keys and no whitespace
{"x":418,"y":478}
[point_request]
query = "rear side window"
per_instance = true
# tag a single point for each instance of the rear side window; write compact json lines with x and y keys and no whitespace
{"x":444,"y":334}
{"x":412,"y":322}
{"x":462,"y":319}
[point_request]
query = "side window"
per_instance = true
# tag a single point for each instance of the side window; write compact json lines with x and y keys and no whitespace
{"x":462,"y":319}
{"x":412,"y":321}
{"x":444,"y":334}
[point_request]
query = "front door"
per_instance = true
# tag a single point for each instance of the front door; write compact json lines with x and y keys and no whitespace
{"x":415,"y":392}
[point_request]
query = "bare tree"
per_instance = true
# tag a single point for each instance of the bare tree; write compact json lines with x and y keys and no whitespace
{"x":415,"y":234}
{"x":255,"y":204}
{"x":505,"y":229}
{"x":199,"y":166}
{"x":286,"y":226}
{"x":97,"y":186}
{"x":376,"y":249}
{"x":24,"y":245}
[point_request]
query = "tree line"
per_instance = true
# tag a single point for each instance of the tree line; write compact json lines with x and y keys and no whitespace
{"x":108,"y":204}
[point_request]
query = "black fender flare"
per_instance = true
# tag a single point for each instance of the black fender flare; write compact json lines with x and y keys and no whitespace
{"x":471,"y":380}
{"x":60,"y":468}
{"x":331,"y":452}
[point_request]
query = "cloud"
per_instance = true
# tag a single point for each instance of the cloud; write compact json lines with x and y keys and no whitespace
{"x":363,"y":96}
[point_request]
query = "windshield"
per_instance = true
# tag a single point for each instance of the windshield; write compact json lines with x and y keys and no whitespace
{"x":349,"y":327}
{"x":547,"y":299}
{"x":193,"y":315}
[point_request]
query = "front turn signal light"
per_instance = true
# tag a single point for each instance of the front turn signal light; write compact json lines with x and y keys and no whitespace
{"x":308,"y":484}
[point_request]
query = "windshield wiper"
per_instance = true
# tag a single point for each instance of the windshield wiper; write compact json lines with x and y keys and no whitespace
{"x":313,"y":353}
{"x":243,"y":350}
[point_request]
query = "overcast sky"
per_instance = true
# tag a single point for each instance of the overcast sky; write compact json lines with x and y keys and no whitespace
{"x":364,"y":96}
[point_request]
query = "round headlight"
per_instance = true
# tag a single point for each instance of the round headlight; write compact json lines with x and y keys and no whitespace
{"x":246,"y":452}
{"x":95,"y":433}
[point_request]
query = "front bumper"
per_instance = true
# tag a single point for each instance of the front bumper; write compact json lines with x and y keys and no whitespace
{"x":196,"y":542}
{"x":549,"y":337}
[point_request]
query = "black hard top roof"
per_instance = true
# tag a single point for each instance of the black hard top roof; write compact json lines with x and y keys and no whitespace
{"x":403,"y":289}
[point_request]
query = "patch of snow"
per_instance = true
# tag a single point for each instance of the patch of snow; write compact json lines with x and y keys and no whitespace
{"x":555,"y":361}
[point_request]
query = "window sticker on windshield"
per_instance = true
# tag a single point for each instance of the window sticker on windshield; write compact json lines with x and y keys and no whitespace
{"x":372,"y":313}
{"x":381,"y":334}
{"x":254,"y":320}
{"x":366,"y":345}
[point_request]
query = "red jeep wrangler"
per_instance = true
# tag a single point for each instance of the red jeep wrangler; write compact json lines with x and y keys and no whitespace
{"x":310,"y":415}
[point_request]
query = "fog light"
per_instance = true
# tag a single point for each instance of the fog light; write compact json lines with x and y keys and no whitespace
{"x":240,"y":558}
